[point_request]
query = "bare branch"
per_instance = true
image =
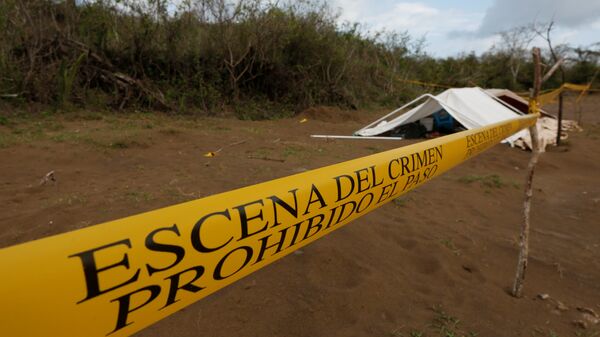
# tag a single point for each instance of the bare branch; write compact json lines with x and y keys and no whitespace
{"x":552,"y":70}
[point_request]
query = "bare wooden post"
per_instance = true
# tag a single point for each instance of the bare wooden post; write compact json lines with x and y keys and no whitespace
{"x":560,"y":117}
{"x":535,"y":153}
{"x":581,"y":95}
{"x":560,"y":103}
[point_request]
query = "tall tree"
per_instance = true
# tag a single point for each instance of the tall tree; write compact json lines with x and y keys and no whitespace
{"x":545,"y":32}
{"x":514,"y":43}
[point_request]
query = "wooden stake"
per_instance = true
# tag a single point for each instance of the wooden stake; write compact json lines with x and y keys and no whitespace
{"x":517,"y":289}
{"x":581,"y":95}
{"x":560,"y":118}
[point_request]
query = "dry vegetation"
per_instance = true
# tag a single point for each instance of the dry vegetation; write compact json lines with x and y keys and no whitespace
{"x":256,"y":58}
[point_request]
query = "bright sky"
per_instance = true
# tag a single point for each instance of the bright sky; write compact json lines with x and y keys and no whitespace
{"x":452,"y":27}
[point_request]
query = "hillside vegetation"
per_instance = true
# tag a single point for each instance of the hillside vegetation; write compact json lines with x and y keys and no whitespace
{"x":254,"y":57}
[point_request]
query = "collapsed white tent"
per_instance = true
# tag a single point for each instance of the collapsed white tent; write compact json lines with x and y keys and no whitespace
{"x":471,"y":107}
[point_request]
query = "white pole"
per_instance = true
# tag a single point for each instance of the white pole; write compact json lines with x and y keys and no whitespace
{"x":355,"y":137}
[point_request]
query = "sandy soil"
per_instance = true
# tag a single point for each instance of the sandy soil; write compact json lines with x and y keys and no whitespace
{"x":436,"y":261}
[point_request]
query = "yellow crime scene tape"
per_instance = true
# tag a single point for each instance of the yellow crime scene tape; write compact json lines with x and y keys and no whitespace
{"x":425,"y":84}
{"x":118,"y":277}
{"x":549,"y":96}
{"x":546,"y":96}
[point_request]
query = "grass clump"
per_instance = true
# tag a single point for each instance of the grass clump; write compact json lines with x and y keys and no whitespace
{"x":447,"y":325}
{"x":402,"y":201}
{"x":442,"y":325}
{"x":448,"y":243}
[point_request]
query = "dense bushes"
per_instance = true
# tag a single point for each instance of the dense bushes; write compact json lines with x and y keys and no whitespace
{"x":260,"y":59}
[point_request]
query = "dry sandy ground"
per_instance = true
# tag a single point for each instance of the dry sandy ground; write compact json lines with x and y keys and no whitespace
{"x":436,"y":262}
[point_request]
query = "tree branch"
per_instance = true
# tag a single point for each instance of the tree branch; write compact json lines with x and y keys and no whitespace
{"x":552,"y":70}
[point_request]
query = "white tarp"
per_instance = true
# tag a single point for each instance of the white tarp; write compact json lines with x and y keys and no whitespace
{"x":547,"y":128}
{"x":471,"y":107}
